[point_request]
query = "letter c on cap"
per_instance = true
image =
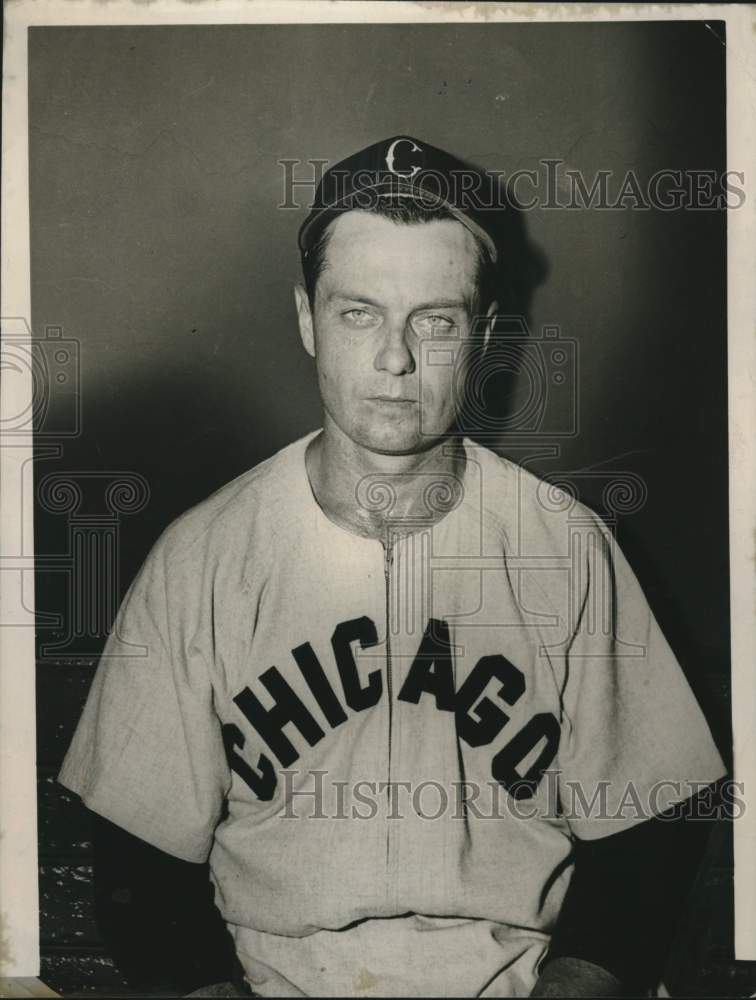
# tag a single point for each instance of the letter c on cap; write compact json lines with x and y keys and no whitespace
{"x":390,"y":157}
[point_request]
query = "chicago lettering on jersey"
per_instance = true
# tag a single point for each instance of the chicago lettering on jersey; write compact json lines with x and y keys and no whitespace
{"x":478,"y":719}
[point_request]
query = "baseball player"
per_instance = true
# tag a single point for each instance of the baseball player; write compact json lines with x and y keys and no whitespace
{"x":409,"y":700}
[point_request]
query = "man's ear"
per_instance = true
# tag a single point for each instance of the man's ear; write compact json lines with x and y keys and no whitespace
{"x":304,"y":318}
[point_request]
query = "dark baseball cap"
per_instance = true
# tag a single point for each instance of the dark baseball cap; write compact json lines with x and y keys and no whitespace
{"x":402,"y":166}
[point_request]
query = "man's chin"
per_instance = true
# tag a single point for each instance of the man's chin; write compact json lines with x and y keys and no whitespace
{"x":396,"y":441}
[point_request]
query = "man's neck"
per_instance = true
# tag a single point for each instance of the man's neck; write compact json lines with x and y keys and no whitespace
{"x":381,"y":496}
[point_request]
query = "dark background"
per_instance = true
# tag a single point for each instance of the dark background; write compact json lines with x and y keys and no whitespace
{"x":157,"y":245}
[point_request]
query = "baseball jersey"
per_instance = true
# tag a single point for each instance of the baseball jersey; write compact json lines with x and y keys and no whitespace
{"x":387,"y":750}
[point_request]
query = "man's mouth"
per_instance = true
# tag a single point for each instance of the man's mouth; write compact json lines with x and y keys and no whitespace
{"x":394,"y":399}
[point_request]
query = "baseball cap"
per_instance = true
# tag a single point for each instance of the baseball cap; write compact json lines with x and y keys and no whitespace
{"x":403,"y":166}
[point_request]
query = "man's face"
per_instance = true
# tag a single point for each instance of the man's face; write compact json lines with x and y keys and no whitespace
{"x":385,"y":289}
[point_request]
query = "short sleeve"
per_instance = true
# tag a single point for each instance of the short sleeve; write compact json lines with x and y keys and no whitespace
{"x":634,"y":739}
{"x":147,"y":753}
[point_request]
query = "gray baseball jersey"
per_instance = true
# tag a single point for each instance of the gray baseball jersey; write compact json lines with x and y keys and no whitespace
{"x":386,"y":751}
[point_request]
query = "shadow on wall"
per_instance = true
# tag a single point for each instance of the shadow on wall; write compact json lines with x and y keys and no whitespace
{"x":503,"y":388}
{"x":181,"y":437}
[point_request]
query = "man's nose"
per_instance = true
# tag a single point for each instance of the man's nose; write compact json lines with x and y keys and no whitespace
{"x":394,"y":355}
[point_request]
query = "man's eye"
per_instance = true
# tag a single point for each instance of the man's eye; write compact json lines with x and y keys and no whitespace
{"x":432,"y":321}
{"x":358,"y":317}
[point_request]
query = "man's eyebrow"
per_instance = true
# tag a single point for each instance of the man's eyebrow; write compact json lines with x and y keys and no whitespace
{"x":351,"y":297}
{"x":443,"y":304}
{"x":432,"y":304}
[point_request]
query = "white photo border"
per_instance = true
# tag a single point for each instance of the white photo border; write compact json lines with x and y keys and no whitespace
{"x":19,"y":902}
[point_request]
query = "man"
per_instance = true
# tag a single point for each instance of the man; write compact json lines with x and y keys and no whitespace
{"x":385,"y":610}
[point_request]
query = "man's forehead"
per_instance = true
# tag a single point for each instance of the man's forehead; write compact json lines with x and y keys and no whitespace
{"x":433,"y":245}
